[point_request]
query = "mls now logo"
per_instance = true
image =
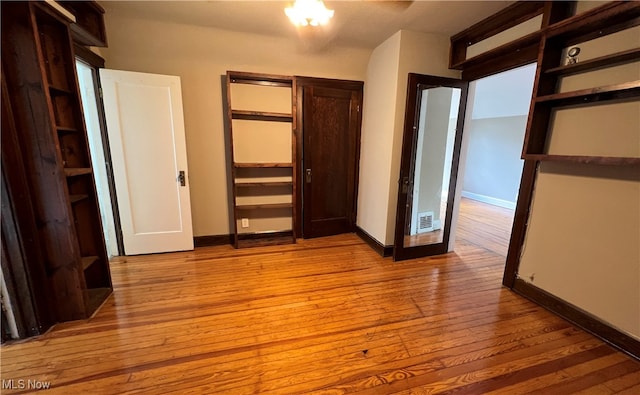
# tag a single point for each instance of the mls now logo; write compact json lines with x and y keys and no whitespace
{"x":21,"y":384}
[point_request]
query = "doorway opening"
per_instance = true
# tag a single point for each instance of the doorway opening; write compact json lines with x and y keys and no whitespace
{"x":491,"y":167}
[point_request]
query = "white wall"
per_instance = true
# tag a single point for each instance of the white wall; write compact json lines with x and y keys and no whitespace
{"x":200,"y":56}
{"x":493,"y":166}
{"x":378,"y":124}
{"x":582,"y":240}
{"x":387,"y":76}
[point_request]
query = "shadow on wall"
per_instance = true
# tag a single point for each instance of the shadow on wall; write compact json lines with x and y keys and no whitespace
{"x":227,"y":146}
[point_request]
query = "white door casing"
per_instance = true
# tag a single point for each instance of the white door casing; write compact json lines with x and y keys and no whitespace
{"x":86,"y":79}
{"x":145,"y":126}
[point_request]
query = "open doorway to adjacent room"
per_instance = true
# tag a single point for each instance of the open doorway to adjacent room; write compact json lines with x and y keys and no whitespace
{"x":490,"y":166}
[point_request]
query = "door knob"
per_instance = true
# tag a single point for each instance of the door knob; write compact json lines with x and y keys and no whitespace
{"x":308,"y":176}
{"x":405,"y":184}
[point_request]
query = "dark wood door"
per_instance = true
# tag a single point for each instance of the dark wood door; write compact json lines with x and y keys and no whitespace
{"x":432,"y":138}
{"x":331,"y":119}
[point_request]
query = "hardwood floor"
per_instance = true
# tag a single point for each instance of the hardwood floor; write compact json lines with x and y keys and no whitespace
{"x":479,"y":223}
{"x":484,"y":225}
{"x":325,"y":315}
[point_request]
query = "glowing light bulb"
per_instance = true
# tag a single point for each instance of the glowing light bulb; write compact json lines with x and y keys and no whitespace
{"x":309,"y":12}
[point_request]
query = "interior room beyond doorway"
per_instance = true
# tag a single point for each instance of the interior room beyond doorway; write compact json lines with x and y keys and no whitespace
{"x":490,"y":165}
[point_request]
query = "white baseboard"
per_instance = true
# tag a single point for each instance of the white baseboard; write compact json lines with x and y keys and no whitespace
{"x":489,"y":200}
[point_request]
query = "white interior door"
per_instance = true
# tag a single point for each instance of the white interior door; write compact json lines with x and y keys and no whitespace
{"x":145,"y":126}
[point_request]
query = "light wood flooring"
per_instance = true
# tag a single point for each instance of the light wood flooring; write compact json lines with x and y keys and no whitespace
{"x":484,"y":225}
{"x":325,"y":315}
{"x":479,"y":223}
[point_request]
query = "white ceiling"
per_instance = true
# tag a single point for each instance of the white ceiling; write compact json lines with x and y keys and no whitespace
{"x":356,"y":23}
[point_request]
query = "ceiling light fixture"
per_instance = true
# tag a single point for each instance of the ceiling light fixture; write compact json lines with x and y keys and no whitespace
{"x":308,"y":12}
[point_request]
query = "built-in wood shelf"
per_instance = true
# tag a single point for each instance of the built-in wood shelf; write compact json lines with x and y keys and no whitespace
{"x":94,"y":297}
{"x":606,"y":19}
{"x":265,"y":241}
{"x":88,"y":28}
{"x":265,"y":184}
{"x":77,"y":198}
{"x":253,"y":185}
{"x":76,"y":171}
{"x":260,"y":79}
{"x":283,"y":232}
{"x":594,"y":160}
{"x":263,"y":206}
{"x":43,"y":94}
{"x":260,"y":165}
{"x":261,"y":116}
{"x":66,"y":129}
{"x":88,"y":261}
{"x":600,"y":21}
{"x":629,"y":56}
{"x":505,"y":49}
{"x":58,"y":91}
{"x":258,"y":239}
{"x":610,"y":92}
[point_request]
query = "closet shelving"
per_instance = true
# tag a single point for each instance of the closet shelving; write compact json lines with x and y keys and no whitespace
{"x":39,"y":66}
{"x":263,"y":190}
{"x":598,"y":22}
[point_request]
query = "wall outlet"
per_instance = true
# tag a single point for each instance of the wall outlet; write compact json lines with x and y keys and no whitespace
{"x":245,"y":222}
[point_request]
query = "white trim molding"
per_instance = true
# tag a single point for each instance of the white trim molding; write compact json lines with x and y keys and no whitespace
{"x":489,"y":200}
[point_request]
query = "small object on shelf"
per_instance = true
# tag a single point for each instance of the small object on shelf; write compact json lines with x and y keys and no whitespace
{"x":572,"y":55}
{"x":601,"y":62}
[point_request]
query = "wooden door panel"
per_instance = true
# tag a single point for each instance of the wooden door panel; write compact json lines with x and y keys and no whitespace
{"x":331,"y":132}
{"x":428,"y":131}
{"x":147,"y":141}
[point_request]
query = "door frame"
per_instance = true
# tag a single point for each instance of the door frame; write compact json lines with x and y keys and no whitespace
{"x":302,"y":82}
{"x":96,"y":62}
{"x":417,"y":82}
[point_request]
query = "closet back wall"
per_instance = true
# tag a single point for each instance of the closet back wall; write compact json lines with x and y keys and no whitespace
{"x":200,"y":56}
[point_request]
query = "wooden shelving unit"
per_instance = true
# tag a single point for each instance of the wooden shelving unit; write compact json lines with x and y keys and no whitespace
{"x":89,"y":28}
{"x":39,"y":66}
{"x":76,"y":171}
{"x":264,"y":184}
{"x":258,"y":186}
{"x":263,"y":206}
{"x":601,"y":21}
{"x":507,"y":49}
{"x":257,"y":165}
{"x":609,"y":92}
{"x":261,"y":116}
